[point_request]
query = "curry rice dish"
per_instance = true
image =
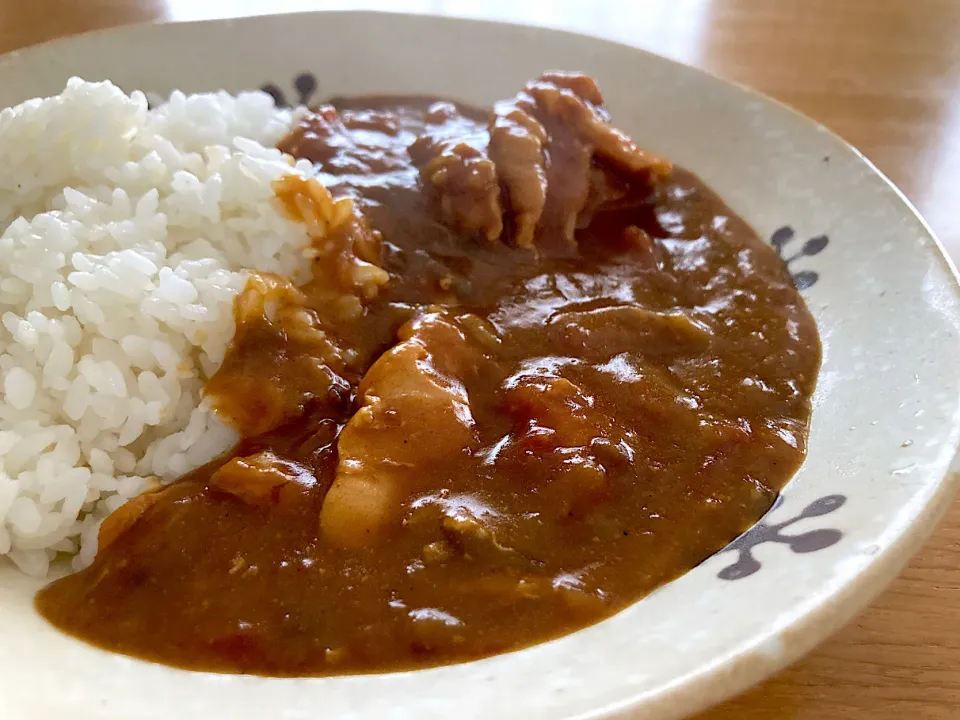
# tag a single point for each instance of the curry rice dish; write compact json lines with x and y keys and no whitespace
{"x":534,"y":373}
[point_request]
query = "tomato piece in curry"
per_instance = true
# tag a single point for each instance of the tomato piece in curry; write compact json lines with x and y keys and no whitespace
{"x":538,"y":372}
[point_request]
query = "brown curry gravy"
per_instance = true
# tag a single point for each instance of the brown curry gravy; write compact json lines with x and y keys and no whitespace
{"x":638,"y":399}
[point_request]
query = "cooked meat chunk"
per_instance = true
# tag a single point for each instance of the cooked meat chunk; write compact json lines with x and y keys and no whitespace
{"x":414,"y":413}
{"x":517,"y":147}
{"x":258,"y":479}
{"x":553,"y":404}
{"x":470,"y":530}
{"x":570,"y":108}
{"x":556,"y":427}
{"x":549,"y":158}
{"x":464,"y":177}
{"x":317,"y":136}
{"x":574,"y":100}
{"x":474,"y":537}
{"x":467,"y":184}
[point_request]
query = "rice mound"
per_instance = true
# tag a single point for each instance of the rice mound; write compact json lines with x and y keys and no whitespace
{"x":126,"y":232}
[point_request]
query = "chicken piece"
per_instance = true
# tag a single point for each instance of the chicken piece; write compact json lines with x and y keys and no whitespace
{"x":470,"y":538}
{"x":455,"y":164}
{"x":469,"y":190}
{"x":567,"y":157}
{"x":569,"y":180}
{"x":258,"y":479}
{"x":414,"y":415}
{"x":280,"y":360}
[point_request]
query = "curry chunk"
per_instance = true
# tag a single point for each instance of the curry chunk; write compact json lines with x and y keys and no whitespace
{"x":259,"y":479}
{"x":454,"y":163}
{"x":469,"y":529}
{"x":569,"y":109}
{"x":279,"y":362}
{"x":414,"y":417}
{"x":518,"y":148}
{"x":557,"y":425}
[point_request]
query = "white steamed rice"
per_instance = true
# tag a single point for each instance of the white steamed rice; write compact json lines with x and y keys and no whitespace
{"x":125,"y":233}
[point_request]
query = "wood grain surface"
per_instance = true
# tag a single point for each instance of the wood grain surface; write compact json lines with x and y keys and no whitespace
{"x":885,"y":75}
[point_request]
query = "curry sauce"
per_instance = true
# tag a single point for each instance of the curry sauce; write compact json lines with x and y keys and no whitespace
{"x":538,"y":372}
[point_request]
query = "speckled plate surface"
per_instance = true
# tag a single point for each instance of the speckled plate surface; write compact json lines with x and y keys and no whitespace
{"x":886,"y":421}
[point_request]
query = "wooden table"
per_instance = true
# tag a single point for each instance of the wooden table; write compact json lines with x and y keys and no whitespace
{"x":885,"y":74}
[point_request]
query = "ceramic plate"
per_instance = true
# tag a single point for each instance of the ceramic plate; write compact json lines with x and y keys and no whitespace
{"x":885,"y":424}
